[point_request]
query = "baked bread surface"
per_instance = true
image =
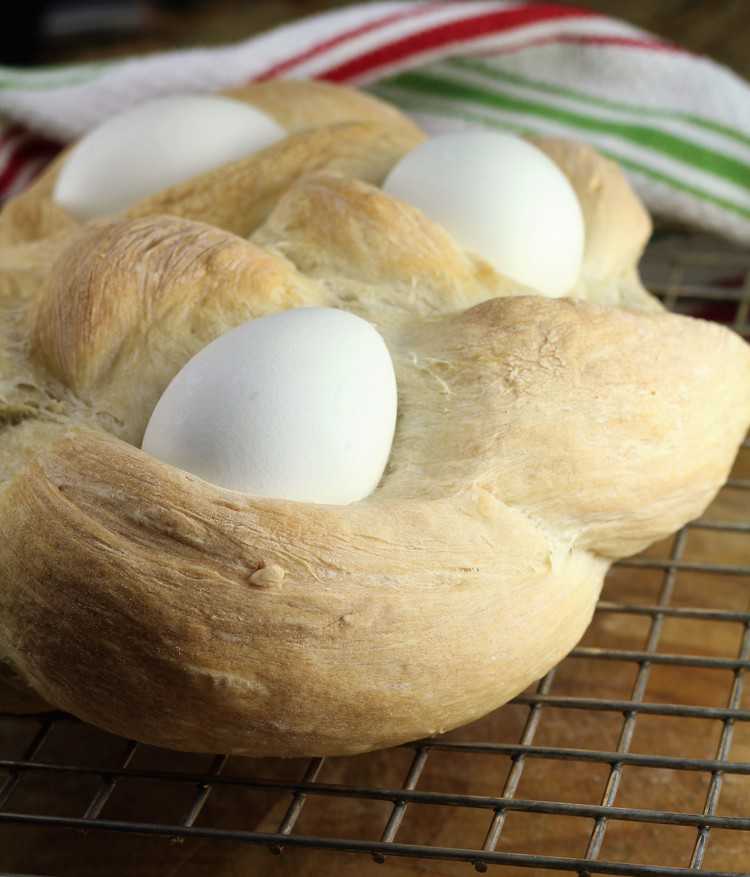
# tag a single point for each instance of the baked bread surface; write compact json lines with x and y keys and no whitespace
{"x":537,"y":441}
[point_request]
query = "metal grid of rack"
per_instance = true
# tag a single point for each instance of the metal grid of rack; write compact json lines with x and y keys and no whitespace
{"x":698,"y":580}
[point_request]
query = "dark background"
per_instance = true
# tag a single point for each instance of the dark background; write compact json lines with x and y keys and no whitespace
{"x":57,"y":32}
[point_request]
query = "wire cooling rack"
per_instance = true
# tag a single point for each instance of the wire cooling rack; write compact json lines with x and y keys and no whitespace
{"x":632,"y":757}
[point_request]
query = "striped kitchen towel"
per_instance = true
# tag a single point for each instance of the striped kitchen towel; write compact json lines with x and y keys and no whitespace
{"x":678,"y":123}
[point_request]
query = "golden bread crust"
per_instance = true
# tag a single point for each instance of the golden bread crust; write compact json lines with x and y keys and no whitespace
{"x":537,"y":440}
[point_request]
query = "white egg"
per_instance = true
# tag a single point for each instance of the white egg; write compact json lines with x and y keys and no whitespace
{"x":502,"y":198}
{"x":157,"y":144}
{"x":299,"y":405}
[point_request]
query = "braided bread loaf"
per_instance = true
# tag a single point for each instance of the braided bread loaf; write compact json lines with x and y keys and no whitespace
{"x":537,"y":441}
